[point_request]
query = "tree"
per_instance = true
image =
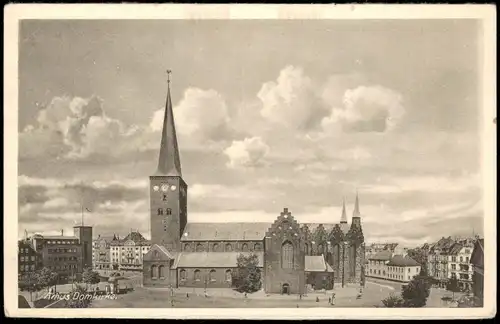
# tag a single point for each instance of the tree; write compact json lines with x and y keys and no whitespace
{"x":91,"y":277}
{"x":247,"y":276}
{"x":416,"y":292}
{"x":29,"y":282}
{"x":47,"y":278}
{"x":419,"y":255}
{"x":79,"y":298}
{"x":393,"y":301}
{"x":453,"y":286}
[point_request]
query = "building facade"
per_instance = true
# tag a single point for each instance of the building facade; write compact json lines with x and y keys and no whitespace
{"x":395,"y":267}
{"x":101,"y":252}
{"x":200,"y":254}
{"x":28,"y":259}
{"x":459,"y":265}
{"x":128,"y":253}
{"x":477,"y":261}
{"x":65,"y":255}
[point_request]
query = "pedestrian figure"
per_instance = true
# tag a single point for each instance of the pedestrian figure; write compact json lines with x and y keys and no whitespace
{"x":300,"y":296}
{"x":317,"y":299}
{"x":172,"y":302}
{"x":297,"y":305}
{"x":329,"y":300}
{"x":187,"y":295}
{"x":245,"y":295}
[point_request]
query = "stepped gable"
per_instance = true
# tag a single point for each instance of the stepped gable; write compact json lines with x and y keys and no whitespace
{"x":285,"y":218}
{"x":320,"y":234}
{"x":306,"y":233}
{"x":355,"y":234}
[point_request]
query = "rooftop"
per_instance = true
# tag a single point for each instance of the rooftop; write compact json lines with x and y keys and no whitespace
{"x":382,"y":256}
{"x":316,"y":263}
{"x":212,"y":259}
{"x":402,"y":261}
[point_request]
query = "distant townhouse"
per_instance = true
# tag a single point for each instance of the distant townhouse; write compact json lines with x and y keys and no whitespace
{"x":128,"y":253}
{"x":437,"y":261}
{"x":28,"y":259}
{"x":477,"y":261}
{"x":459,"y":263}
{"x":101,"y":252}
{"x":395,"y":267}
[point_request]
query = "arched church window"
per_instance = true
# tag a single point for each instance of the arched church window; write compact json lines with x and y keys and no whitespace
{"x":183,"y":275}
{"x":257,"y":247}
{"x":161,"y":272}
{"x":228,"y":275}
{"x":287,"y":255}
{"x":160,"y":211}
{"x":320,"y":249}
{"x":153,"y":272}
{"x":187,"y":247}
{"x":229,"y":247}
{"x":211,"y":275}
{"x":215,"y":247}
{"x":197,"y":275}
{"x":306,"y":248}
{"x":199,"y":247}
{"x":169,"y":211}
{"x":244,"y":247}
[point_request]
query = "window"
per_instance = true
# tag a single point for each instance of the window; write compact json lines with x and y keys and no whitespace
{"x":461,"y":259}
{"x":229,"y":248}
{"x":187,"y":247}
{"x":467,"y":259}
{"x":383,"y":272}
{"x":257,"y":247}
{"x":197,"y":275}
{"x":153,"y":272}
{"x":306,"y":248}
{"x":161,"y":272}
{"x":199,"y":247}
{"x":160,"y":211}
{"x":287,"y":255}
{"x":244,"y":247}
{"x":183,"y":275}
{"x":211,"y":275}
{"x":169,"y":211}
{"x":228,"y":275}
{"x":215,"y":247}
{"x":370,"y":270}
{"x":164,"y":197}
{"x":453,"y":267}
{"x":409,"y":270}
{"x":320,"y":249}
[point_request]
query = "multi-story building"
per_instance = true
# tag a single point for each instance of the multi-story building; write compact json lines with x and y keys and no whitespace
{"x":374,"y":248}
{"x":477,"y":261}
{"x":459,"y":263}
{"x":65,"y":255}
{"x":28,"y":259}
{"x":128,"y":253}
{"x":396,"y":267}
{"x":437,"y":261}
{"x":101,"y":252}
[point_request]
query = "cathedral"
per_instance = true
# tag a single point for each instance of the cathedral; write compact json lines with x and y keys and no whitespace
{"x":293,"y":257}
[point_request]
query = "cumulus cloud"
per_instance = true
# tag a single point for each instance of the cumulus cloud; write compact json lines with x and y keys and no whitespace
{"x":249,"y":152}
{"x":201,"y":115}
{"x":366,"y":109}
{"x":78,"y":128}
{"x":290,"y":100}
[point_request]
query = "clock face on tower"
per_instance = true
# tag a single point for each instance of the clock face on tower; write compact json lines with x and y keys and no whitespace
{"x":164,"y":187}
{"x":156,"y":188}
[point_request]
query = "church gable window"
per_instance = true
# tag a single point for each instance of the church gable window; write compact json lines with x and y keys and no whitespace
{"x":161,"y":272}
{"x":153,"y":272}
{"x":257,"y":247}
{"x":169,"y":211}
{"x":160,"y":211}
{"x":199,"y":247}
{"x":229,"y":247}
{"x":306,"y":248}
{"x":215,"y":247}
{"x":187,"y":247}
{"x":287,"y":255}
{"x":244,"y":247}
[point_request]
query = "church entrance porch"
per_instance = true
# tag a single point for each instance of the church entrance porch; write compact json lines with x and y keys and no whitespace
{"x":285,"y":289}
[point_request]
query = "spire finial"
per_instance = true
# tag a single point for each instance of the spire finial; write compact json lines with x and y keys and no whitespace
{"x":356,"y":212}
{"x":168,"y":76}
{"x":343,"y":218}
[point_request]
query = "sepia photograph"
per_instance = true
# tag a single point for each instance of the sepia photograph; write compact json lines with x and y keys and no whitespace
{"x":217,"y":162}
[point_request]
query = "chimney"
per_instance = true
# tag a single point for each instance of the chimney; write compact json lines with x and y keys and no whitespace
{"x":62,"y":232}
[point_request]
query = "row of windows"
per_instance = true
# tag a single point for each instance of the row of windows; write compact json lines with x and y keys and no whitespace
{"x":218,"y":248}
{"x":27,"y":258}
{"x":62,"y":250}
{"x":62,"y":267}
{"x":62,"y":242}
{"x":24,"y":250}
{"x":168,"y":211}
{"x":26,"y":267}
{"x":159,"y":272}
{"x":397,"y":277}
{"x":399,"y":269}
{"x":116,"y":248}
{"x":63,"y":258}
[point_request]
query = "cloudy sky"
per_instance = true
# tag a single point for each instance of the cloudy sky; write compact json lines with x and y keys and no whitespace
{"x":269,"y":114}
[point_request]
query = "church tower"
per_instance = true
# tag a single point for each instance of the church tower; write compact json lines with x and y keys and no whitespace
{"x":168,"y":191}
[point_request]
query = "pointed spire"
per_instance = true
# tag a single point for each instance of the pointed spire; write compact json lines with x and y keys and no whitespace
{"x":356,"y":212}
{"x":169,"y":163}
{"x":343,"y":218}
